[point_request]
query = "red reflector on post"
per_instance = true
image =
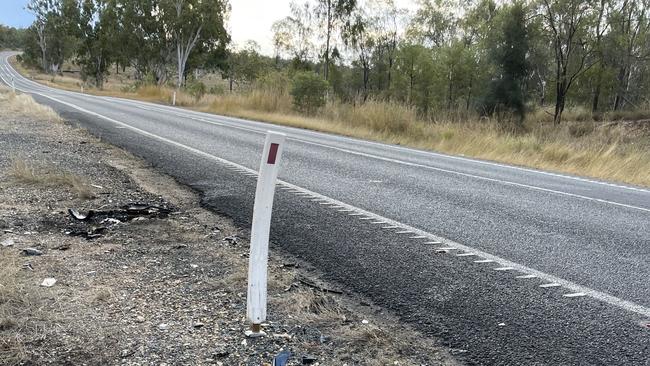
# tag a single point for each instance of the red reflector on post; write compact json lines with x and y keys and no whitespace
{"x":273,"y":152}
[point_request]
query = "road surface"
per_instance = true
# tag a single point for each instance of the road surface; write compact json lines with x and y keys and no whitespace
{"x":505,"y":265}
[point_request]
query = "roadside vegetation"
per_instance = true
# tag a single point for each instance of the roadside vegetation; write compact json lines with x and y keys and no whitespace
{"x":559,"y":85}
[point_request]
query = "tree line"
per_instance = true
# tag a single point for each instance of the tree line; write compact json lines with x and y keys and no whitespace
{"x":494,"y":58}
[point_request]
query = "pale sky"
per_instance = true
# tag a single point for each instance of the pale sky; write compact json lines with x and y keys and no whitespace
{"x":250,"y":19}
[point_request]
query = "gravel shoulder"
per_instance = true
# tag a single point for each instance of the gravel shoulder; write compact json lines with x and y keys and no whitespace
{"x":152,"y":277}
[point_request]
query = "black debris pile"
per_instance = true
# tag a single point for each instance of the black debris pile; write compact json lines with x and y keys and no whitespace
{"x":94,"y":223}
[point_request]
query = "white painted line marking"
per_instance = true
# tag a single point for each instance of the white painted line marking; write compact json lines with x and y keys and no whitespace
{"x":448,"y":248}
{"x":355,"y":214}
{"x":546,"y":285}
{"x":484,"y":261}
{"x":433,"y":242}
{"x":575,"y":294}
{"x":404,"y":232}
{"x":348,"y":210}
{"x":390,"y":227}
{"x":326,"y":203}
{"x":366,"y":218}
{"x":378,"y":222}
{"x":574,"y":287}
{"x":418,"y":237}
{"x":504,"y":269}
{"x":526,"y":276}
{"x":465,"y":254}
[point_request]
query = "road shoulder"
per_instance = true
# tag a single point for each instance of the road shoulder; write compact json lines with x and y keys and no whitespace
{"x":163,"y":282}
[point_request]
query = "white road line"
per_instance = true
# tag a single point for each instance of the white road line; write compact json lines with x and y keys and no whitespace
{"x":356,"y":214}
{"x":575,"y":294}
{"x":466,"y":254}
{"x":526,"y":276}
{"x":390,"y":227}
{"x":451,"y":248}
{"x":601,"y":296}
{"x":404,"y":232}
{"x":417,"y":237}
{"x":432,"y":242}
{"x":378,"y":222}
{"x":484,"y":261}
{"x":504,"y":269}
{"x":547,"y":285}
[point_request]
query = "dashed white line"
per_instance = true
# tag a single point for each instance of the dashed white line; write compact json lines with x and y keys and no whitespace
{"x":547,"y":285}
{"x":575,"y":294}
{"x":504,"y":268}
{"x":526,"y":276}
{"x":484,"y":261}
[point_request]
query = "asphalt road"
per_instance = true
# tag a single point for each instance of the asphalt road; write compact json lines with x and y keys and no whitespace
{"x":532,"y":268}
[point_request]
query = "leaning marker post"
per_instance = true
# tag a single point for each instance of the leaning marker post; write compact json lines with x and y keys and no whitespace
{"x":259,"y":252}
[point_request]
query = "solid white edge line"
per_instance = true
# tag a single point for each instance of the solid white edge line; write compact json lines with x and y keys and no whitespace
{"x":598,"y":295}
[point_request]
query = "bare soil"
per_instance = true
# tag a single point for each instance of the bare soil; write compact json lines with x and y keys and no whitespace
{"x":161,"y":284}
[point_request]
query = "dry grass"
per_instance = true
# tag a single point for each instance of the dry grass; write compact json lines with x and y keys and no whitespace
{"x":609,"y":151}
{"x":16,"y":300}
{"x":25,"y":105}
{"x":26,"y":173}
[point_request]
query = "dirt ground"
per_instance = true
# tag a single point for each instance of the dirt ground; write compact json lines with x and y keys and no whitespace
{"x":151,"y":278}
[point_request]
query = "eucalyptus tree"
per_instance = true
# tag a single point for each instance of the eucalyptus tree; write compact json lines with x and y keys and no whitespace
{"x":293,"y":35}
{"x":334,"y":15}
{"x":631,"y":34}
{"x":360,"y":37}
{"x":40,"y":9}
{"x":190,"y":22}
{"x":570,"y":28}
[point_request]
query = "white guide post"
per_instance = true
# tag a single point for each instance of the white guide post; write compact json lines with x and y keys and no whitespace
{"x":259,"y":252}
{"x":174,"y":98}
{"x":82,"y":89}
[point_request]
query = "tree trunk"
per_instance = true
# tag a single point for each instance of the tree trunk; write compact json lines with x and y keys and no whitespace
{"x":596,"y":99}
{"x":327,"y":40}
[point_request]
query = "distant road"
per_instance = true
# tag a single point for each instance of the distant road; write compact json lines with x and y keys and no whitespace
{"x":532,"y":268}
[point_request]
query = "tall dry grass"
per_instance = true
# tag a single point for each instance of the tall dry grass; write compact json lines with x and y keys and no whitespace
{"x":25,"y":105}
{"x":24,"y":172}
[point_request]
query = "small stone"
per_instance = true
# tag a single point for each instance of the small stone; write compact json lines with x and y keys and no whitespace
{"x":364,"y":321}
{"x":308,"y":359}
{"x":32,"y":251}
{"x":163,"y":326}
{"x":139,"y":319}
{"x":220,"y":351}
{"x":48,"y":282}
{"x":7,"y":243}
{"x":198,"y":325}
{"x":502,"y":324}
{"x":194,"y":265}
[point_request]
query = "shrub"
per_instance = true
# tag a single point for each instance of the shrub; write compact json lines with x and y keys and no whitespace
{"x":196,"y":89}
{"x":308,"y":91}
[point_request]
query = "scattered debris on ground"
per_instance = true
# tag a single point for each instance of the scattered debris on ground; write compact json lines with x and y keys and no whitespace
{"x":104,"y":261}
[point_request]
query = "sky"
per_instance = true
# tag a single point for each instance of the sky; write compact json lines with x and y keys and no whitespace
{"x":249,"y":20}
